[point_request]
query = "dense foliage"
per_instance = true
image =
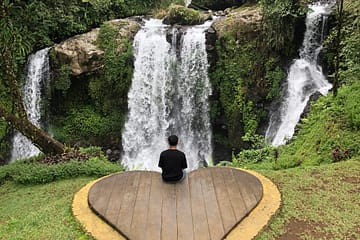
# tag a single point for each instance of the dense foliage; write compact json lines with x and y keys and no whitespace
{"x":281,"y":24}
{"x":330,"y":134}
{"x":349,"y":46}
{"x":4,"y":129}
{"x":248,"y":73}
{"x":26,"y":26}
{"x":36,"y":171}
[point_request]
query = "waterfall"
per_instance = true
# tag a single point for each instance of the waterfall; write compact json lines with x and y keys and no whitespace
{"x":37,"y":75}
{"x":169,"y":95}
{"x":187,"y":3}
{"x":304,"y":79}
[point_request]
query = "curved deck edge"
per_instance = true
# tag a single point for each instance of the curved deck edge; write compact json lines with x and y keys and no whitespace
{"x":247,"y":229}
{"x":260,"y":216}
{"x":92,"y":223}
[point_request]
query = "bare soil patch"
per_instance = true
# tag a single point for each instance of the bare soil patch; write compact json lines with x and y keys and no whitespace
{"x":296,"y":228}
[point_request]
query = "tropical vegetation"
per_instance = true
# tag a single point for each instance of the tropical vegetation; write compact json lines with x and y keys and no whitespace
{"x":317,"y":171}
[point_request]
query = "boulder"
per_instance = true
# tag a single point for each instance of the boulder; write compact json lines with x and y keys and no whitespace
{"x":180,"y":15}
{"x":81,"y":52}
{"x":244,"y":20}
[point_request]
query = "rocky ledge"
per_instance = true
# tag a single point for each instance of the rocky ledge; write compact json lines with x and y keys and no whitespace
{"x":81,"y":52}
{"x":244,"y":20}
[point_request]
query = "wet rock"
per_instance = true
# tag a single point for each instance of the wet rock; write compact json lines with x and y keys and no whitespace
{"x":210,"y":39}
{"x":113,"y":155}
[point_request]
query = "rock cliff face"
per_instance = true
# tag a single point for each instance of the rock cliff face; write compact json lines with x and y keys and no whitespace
{"x":83,"y":55}
{"x":236,"y":29}
{"x":246,"y":21}
{"x":81,"y":52}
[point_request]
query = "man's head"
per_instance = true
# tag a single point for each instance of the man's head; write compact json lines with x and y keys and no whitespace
{"x":173,"y":140}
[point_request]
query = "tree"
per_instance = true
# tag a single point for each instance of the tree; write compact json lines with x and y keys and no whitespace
{"x":13,"y":46}
{"x":340,"y":4}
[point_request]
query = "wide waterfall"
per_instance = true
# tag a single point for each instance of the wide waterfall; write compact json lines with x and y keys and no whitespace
{"x":304,"y":79}
{"x":37,"y":75}
{"x":169,"y":95}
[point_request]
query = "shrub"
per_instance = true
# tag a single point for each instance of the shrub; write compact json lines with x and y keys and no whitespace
{"x":254,"y":156}
{"x":31,"y":172}
{"x":351,"y":105}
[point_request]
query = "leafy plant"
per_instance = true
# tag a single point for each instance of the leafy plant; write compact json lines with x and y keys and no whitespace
{"x":62,"y":81}
{"x":279,"y":23}
{"x":29,"y":172}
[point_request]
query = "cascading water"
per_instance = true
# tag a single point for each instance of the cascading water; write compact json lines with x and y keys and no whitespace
{"x":37,"y":75}
{"x":304,"y":79}
{"x":169,"y":95}
{"x":187,"y":3}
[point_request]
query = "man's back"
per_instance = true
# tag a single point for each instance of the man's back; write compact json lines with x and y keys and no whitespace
{"x":172,"y":162}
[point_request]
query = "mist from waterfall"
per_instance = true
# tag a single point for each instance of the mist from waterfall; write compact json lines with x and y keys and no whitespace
{"x":169,"y":95}
{"x":38,"y":71}
{"x":305,"y":77}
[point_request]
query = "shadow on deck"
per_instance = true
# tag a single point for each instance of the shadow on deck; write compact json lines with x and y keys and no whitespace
{"x":208,"y":204}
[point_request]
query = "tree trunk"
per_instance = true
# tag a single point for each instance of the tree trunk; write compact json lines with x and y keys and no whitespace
{"x":38,"y":137}
{"x":338,"y":48}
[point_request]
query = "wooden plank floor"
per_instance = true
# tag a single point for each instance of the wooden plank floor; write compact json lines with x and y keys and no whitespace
{"x":207,"y":205}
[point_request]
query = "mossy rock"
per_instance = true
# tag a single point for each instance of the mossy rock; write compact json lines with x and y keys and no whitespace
{"x":240,"y":21}
{"x":181,"y":15}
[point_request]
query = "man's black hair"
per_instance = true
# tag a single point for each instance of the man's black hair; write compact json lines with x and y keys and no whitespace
{"x":173,"y":140}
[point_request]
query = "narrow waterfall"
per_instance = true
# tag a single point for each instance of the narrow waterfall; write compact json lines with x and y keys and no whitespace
{"x":169,"y":95}
{"x":304,"y":79}
{"x":187,"y":3}
{"x":37,"y":75}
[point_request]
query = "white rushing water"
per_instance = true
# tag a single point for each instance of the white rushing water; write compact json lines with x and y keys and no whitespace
{"x":304,"y":79}
{"x":187,"y":2}
{"x":37,"y":74}
{"x":169,"y":95}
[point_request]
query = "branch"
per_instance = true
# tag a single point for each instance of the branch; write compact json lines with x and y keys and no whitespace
{"x":38,"y":137}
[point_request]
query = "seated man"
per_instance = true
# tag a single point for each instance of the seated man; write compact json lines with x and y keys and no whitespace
{"x":172,"y":162}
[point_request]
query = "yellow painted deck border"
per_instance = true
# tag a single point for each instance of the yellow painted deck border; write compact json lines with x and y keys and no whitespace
{"x":247,"y":229}
{"x":91,"y":222}
{"x":261,"y":215}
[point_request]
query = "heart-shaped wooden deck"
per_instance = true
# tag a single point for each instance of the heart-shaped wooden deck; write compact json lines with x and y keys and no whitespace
{"x":208,"y":204}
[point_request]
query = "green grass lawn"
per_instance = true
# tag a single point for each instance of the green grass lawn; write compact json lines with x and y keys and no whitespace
{"x":318,"y":202}
{"x":321,"y":202}
{"x":40,"y":211}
